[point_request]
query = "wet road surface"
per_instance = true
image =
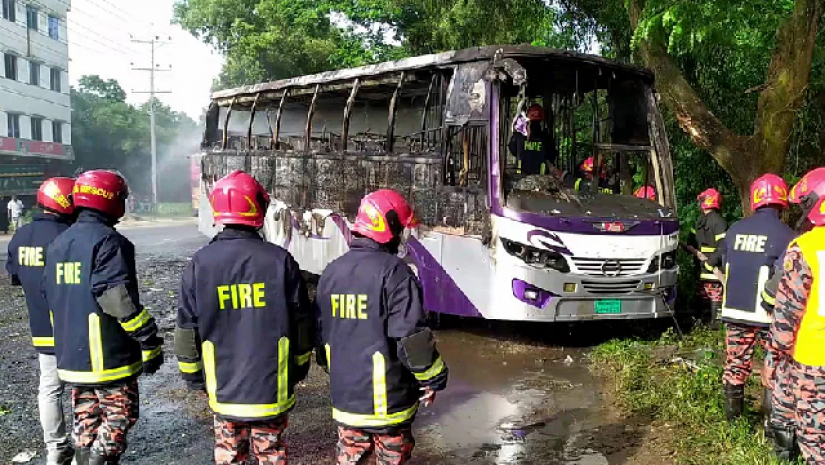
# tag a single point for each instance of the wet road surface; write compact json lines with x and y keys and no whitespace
{"x":517,"y":394}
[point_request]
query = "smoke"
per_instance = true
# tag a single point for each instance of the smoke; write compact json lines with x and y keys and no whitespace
{"x":174,"y":181}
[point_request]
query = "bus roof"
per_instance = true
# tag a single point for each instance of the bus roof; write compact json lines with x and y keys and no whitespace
{"x":437,"y":60}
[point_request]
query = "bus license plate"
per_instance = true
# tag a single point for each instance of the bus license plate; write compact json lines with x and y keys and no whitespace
{"x":608,"y":307}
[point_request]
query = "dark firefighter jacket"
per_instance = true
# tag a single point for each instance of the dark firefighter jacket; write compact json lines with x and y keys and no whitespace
{"x":748,"y":253}
{"x":27,"y":257}
{"x":533,"y":153}
{"x":370,"y":303}
{"x":94,"y":347}
{"x":708,"y":232}
{"x":245,"y":326}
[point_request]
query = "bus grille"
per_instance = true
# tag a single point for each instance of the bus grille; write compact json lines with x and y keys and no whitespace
{"x":613,"y":287}
{"x":594,"y":266}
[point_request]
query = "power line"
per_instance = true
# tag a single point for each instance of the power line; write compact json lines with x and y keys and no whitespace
{"x":111,"y":45}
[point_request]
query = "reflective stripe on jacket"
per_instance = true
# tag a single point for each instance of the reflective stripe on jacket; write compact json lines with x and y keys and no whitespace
{"x":369,"y":300}
{"x":89,"y":258}
{"x":26,"y":260}
{"x":246,"y":300}
{"x":749,"y":250}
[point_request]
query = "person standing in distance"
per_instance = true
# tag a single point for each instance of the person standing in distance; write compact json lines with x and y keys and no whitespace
{"x":377,"y":348}
{"x":15,"y":211}
{"x":25,"y":263}
{"x":104,"y":338}
{"x":708,"y":232}
{"x":245,"y":327}
{"x":748,"y":252}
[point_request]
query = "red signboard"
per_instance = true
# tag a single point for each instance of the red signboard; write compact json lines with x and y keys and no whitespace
{"x":47,"y":148}
{"x":8,"y":144}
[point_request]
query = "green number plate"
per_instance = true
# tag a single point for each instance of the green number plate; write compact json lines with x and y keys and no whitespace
{"x":608,"y":307}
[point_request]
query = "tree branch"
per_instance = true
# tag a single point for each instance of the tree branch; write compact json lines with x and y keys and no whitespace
{"x":693,"y":115}
{"x":787,"y":81}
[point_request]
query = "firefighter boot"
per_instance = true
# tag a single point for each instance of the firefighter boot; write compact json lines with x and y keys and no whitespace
{"x":767,"y":408}
{"x":785,"y":444}
{"x":734,"y":401}
{"x":81,"y":455}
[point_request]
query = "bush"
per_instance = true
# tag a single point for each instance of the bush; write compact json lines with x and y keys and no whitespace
{"x":648,"y":382}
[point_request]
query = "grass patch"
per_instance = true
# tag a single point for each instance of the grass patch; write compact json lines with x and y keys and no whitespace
{"x":687,"y":396}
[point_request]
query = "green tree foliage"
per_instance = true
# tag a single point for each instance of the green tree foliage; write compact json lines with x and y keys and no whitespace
{"x":107,"y":132}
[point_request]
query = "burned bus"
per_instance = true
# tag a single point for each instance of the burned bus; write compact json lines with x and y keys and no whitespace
{"x":493,"y":242}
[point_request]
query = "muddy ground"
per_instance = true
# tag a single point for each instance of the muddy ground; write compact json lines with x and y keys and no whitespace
{"x":518,"y":394}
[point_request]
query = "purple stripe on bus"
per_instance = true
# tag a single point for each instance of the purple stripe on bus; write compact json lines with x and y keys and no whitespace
{"x":542,"y":297}
{"x":341,"y":222}
{"x":441,"y":293}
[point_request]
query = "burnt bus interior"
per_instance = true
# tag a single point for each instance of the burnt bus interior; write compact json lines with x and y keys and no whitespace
{"x":422,"y":126}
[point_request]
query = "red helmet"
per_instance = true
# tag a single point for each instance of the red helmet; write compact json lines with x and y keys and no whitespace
{"x":769,"y":189}
{"x":645,"y":192}
{"x":535,"y":112}
{"x":710,"y":198}
{"x":810,"y":192}
{"x":383,"y":215}
{"x":56,"y":195}
{"x":587,"y":166}
{"x":238,"y":198}
{"x":102,"y":190}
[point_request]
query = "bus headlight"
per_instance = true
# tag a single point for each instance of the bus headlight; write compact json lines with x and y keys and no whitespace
{"x":536,"y":257}
{"x":668,"y":260}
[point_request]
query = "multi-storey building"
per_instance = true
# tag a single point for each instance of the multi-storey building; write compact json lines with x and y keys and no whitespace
{"x":35,"y":109}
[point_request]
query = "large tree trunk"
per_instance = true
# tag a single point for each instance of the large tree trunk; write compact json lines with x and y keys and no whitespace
{"x":743,"y":157}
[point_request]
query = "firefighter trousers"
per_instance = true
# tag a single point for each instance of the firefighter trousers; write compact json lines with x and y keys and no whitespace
{"x":740,"y":343}
{"x":103,"y":415}
{"x":234,"y":439}
{"x":809,"y":390}
{"x":356,"y":446}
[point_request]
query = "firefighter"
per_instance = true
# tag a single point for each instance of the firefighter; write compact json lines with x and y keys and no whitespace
{"x":748,"y":251}
{"x":245,"y":327}
{"x":708,"y":232}
{"x":104,"y":338}
{"x":377,"y":348}
{"x":26,"y":259}
{"x":796,"y":332}
{"x":584,"y":182}
{"x":535,"y":151}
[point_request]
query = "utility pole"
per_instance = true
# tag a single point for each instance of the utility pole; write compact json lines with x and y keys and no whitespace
{"x":155,"y":43}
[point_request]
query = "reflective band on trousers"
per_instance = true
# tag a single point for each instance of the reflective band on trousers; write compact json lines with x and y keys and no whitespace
{"x":284,"y":403}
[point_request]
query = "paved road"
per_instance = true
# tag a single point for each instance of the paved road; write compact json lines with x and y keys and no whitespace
{"x":516,"y":395}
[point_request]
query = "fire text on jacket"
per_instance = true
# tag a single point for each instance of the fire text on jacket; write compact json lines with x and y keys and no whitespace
{"x":350,"y":306}
{"x":30,"y":256}
{"x":67,"y":272}
{"x":750,"y":243}
{"x":241,"y":296}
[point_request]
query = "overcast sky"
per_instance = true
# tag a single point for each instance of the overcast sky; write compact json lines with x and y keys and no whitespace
{"x":100,"y":43}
